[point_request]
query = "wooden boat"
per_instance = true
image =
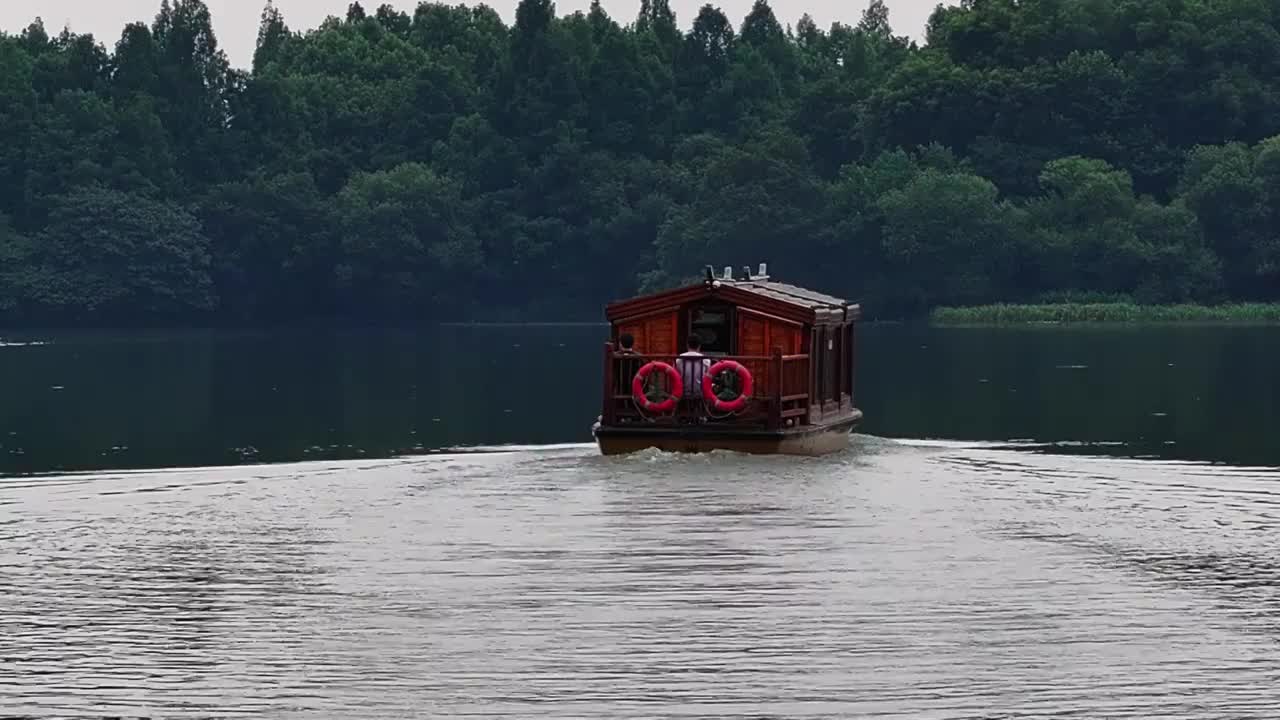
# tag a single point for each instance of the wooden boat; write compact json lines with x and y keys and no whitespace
{"x":780,"y":375}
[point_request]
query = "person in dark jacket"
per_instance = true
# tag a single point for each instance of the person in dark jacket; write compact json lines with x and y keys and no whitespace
{"x":626,"y":368}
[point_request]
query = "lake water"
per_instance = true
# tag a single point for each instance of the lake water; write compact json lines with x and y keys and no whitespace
{"x":1034,"y":522}
{"x":100,"y":401}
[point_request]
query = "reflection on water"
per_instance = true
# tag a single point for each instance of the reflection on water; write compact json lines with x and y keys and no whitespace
{"x":932,"y":580}
{"x":101,"y":401}
{"x":1175,"y":392}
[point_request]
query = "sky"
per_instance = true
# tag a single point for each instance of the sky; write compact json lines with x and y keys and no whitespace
{"x":235,"y":22}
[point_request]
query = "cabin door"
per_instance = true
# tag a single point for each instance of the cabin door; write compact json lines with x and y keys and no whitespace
{"x":714,"y":325}
{"x":826,"y":352}
{"x":833,"y":364}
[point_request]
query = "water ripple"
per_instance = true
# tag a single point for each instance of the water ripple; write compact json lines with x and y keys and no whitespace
{"x":908,"y":582}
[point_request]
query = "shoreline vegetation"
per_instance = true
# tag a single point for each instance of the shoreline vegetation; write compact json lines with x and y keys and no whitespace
{"x":422,"y":161}
{"x":1105,"y":312}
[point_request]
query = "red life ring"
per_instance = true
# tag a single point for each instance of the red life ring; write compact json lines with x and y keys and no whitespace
{"x":737,"y":403}
{"x":637,"y":387}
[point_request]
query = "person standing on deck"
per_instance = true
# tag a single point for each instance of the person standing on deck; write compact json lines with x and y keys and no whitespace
{"x":692,"y":365}
{"x":626,"y":344}
{"x":627,"y":367}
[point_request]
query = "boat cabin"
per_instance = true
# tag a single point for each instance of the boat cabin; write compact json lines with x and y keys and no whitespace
{"x":796,"y":346}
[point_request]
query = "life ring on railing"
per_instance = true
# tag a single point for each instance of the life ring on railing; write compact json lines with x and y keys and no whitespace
{"x":637,"y":387}
{"x":744,"y":376}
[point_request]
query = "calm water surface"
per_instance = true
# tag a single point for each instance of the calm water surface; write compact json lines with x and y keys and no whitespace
{"x":1121,"y":560}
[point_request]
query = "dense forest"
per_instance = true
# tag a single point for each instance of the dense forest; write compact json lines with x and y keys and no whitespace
{"x":394,"y":168}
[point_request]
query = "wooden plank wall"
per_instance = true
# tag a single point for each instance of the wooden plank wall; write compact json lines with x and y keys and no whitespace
{"x":655,"y":335}
{"x":760,"y":334}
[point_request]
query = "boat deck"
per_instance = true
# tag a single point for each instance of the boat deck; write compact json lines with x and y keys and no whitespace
{"x":831,"y":436}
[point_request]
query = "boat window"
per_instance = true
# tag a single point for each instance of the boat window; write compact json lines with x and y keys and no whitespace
{"x":714,"y":326}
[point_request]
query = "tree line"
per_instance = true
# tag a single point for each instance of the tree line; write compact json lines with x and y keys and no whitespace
{"x":391,"y":167}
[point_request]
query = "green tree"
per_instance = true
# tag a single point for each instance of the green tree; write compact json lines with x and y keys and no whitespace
{"x":109,"y":256}
{"x":1098,"y":236}
{"x":947,"y":239}
{"x":18,"y":107}
{"x":541,"y":85}
{"x":404,"y":251}
{"x":748,"y":201}
{"x":273,"y":34}
{"x":273,"y":248}
{"x":702,"y":73}
{"x":194,"y":83}
{"x":15,"y":253}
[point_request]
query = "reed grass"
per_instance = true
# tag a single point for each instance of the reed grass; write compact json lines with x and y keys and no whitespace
{"x":1107,"y":312}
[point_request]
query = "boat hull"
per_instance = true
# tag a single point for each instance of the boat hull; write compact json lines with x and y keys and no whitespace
{"x":829,"y":437}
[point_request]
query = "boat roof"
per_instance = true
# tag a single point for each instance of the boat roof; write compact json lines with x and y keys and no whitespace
{"x":793,"y":294}
{"x":760,"y":293}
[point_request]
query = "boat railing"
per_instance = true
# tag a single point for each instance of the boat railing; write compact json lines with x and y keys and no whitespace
{"x":779,"y":399}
